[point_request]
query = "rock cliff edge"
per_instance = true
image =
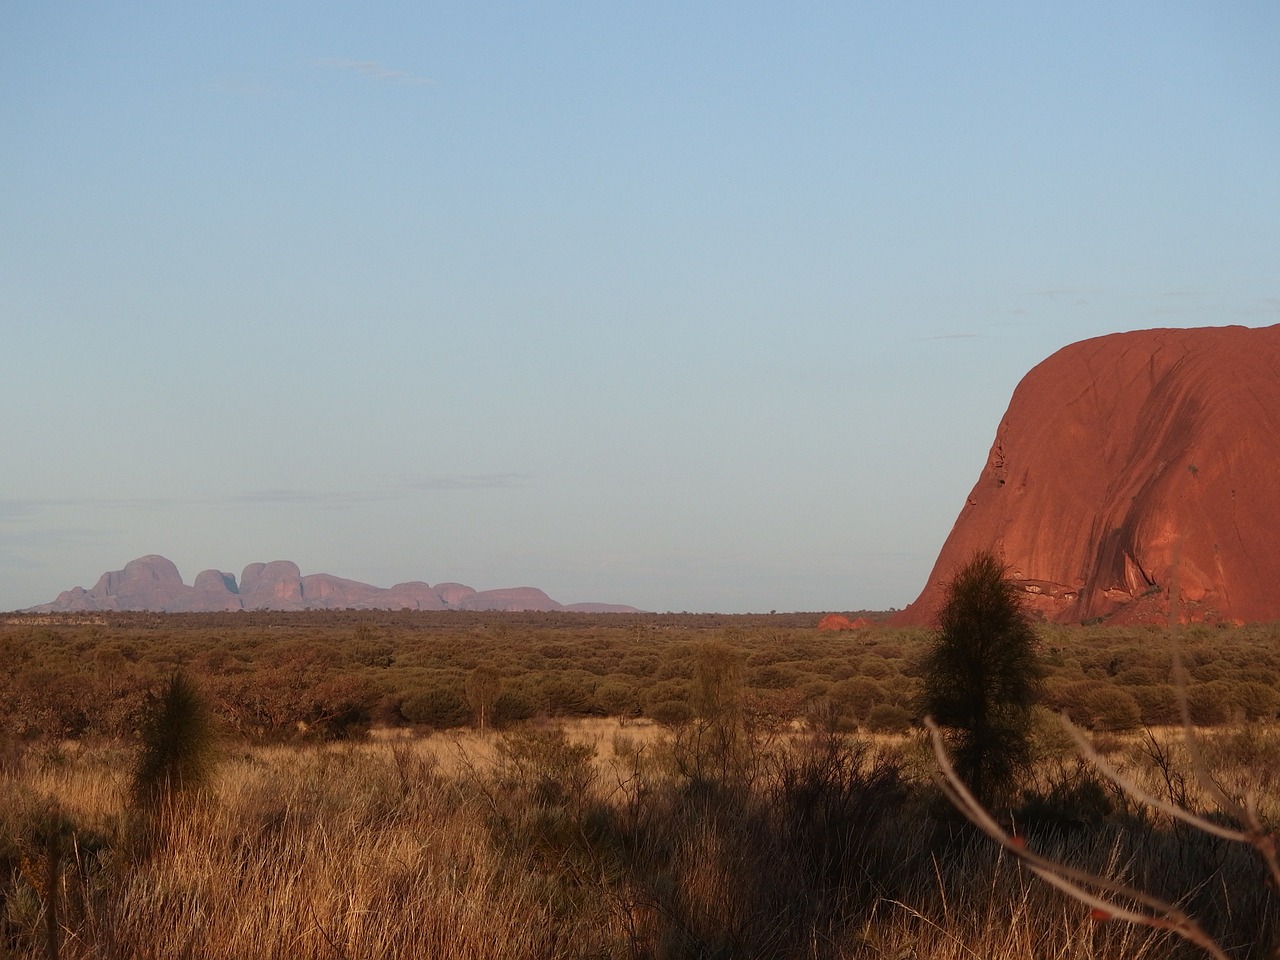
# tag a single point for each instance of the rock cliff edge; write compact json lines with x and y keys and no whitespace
{"x":1135,"y":477}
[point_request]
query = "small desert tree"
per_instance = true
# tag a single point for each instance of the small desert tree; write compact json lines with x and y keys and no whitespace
{"x":717,"y":745}
{"x":981,"y":676}
{"x":717,"y":684}
{"x":484,"y":684}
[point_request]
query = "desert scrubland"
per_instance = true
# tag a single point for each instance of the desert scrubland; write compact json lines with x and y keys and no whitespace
{"x":554,"y":785}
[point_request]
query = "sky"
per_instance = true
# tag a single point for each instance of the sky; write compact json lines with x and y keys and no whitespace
{"x":697,"y":306}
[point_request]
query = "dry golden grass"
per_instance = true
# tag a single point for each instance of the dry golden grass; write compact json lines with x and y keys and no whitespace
{"x":412,"y":847}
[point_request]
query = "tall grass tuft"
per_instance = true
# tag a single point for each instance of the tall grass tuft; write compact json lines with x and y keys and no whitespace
{"x":179,"y":747}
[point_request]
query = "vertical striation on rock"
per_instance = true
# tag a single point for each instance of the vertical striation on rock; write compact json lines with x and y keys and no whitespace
{"x":1135,"y":476}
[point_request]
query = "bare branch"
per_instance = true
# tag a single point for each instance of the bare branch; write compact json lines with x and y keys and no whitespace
{"x":1077,"y":884}
{"x":1137,"y":793}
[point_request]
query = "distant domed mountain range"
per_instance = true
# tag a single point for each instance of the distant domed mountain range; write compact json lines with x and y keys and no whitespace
{"x":153,"y":583}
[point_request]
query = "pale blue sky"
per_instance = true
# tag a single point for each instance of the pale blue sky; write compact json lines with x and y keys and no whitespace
{"x":690,"y":306}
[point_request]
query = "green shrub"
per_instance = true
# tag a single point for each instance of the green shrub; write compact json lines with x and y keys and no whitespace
{"x":858,"y":696}
{"x":1158,"y":704}
{"x":484,"y":685}
{"x":774,"y":677}
{"x":1119,"y":711}
{"x":888,"y":718}
{"x":440,"y":707}
{"x":1099,"y":705}
{"x":1257,"y":700}
{"x":617,"y":698}
{"x":670,"y":713}
{"x":566,"y":697}
{"x":1211,"y":703}
{"x":512,"y":706}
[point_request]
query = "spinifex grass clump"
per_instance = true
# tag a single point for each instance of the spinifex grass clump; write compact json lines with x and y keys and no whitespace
{"x":179,"y":747}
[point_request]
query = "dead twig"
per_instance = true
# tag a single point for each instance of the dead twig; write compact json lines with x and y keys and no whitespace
{"x":1107,"y":899}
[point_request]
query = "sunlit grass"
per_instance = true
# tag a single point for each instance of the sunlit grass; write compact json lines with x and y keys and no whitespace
{"x":427,"y":846}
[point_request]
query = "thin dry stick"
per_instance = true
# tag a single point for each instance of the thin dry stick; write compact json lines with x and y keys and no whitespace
{"x":1227,"y":805}
{"x":1137,"y":793}
{"x":1077,"y":884}
{"x":1255,"y":836}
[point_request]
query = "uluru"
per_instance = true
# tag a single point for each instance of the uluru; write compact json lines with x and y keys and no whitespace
{"x":153,"y":583}
{"x":1135,"y":477}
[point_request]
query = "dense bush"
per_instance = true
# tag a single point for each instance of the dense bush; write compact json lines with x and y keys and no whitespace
{"x":330,"y":675}
{"x":1098,"y":705}
{"x":439,"y":707}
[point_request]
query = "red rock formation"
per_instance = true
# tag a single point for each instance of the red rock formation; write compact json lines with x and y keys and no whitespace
{"x":326,"y":591}
{"x":453,"y":594}
{"x":414,"y":595}
{"x":143,"y":584}
{"x":838,"y":621}
{"x":153,"y":583}
{"x":512,"y":598}
{"x":215,"y":590}
{"x":1134,"y":474}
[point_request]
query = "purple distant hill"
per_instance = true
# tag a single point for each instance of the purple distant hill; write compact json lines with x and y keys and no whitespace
{"x":153,"y":583}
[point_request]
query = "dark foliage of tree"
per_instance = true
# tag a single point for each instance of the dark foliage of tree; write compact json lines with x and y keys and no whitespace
{"x":981,"y":676}
{"x":179,"y":744}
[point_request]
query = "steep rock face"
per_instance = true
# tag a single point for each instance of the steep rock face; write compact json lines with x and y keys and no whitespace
{"x":1134,"y":476}
{"x":453,"y":594}
{"x":272,"y":586}
{"x":144,"y":584}
{"x":216,"y":582}
{"x":215,"y":590}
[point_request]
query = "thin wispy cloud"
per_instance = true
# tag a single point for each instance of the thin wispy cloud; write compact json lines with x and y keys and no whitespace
{"x":472,"y":481}
{"x":13,"y":508}
{"x":373,"y":70}
{"x":18,"y":510}
{"x":307,"y":498}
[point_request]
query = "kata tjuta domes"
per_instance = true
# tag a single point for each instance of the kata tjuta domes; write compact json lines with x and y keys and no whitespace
{"x":1135,"y":476}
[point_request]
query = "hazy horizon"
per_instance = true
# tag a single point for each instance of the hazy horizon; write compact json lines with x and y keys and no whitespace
{"x":188,"y":580}
{"x":708,"y":308}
